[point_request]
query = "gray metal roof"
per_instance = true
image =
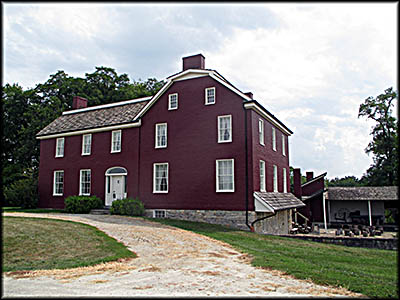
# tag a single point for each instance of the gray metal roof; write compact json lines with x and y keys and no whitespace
{"x":108,"y":116}
{"x":279,"y":201}
{"x":363,"y":193}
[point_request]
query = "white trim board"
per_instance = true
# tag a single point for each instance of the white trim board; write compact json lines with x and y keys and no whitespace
{"x":261,"y":206}
{"x":74,"y":111}
{"x":258,"y":110}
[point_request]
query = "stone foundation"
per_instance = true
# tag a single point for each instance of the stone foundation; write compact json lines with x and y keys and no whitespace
{"x":278,"y":224}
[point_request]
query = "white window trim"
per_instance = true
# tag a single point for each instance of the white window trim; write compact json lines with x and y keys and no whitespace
{"x":63,"y":148}
{"x":219,"y":131}
{"x":273,"y":139}
{"x":166,"y":136}
{"x":54,"y":183}
{"x":284,"y":180}
{"x":262,"y":177}
{"x":80,"y":182}
{"x":159,"y":211}
{"x":206,"y":96}
{"x":233,"y":176}
{"x":154,"y":178}
{"x":261,"y":131}
{"x":283,"y":145}
{"x":83,"y":144}
{"x":169,"y":101}
{"x":275,"y":179}
{"x":112,"y":141}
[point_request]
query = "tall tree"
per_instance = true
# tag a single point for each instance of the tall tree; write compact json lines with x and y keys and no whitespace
{"x":384,"y":144}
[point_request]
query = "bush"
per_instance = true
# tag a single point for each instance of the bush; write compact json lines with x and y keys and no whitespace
{"x":82,"y":204}
{"x":22,"y":193}
{"x":128,"y":207}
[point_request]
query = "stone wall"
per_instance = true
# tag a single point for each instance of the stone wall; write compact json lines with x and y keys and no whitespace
{"x":278,"y":224}
{"x":377,"y":243}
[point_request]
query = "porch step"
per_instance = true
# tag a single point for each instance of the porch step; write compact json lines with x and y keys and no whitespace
{"x":100,"y":211}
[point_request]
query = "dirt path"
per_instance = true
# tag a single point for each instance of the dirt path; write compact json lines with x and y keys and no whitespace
{"x":170,"y":262}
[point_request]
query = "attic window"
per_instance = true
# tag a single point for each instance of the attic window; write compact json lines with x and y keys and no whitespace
{"x":173,"y":101}
{"x":210,"y":95}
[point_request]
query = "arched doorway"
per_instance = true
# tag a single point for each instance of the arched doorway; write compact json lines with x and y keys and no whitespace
{"x":115,"y":184}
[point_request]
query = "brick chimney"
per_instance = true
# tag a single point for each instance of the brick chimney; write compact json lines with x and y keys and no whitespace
{"x":297,"y":183}
{"x":309,"y":175}
{"x":250,"y":94}
{"x":194,"y":62}
{"x":79,"y":102}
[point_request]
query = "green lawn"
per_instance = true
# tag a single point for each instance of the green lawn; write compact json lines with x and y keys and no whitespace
{"x":370,"y":272}
{"x":39,"y":243}
{"x":32,"y":210}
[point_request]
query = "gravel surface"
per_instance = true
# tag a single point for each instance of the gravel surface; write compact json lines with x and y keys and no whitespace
{"x":171,"y":262}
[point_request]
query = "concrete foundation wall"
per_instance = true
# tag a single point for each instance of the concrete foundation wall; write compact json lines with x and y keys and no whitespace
{"x":278,"y":224}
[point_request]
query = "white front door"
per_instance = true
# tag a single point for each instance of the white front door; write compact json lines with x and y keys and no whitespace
{"x":115,"y":188}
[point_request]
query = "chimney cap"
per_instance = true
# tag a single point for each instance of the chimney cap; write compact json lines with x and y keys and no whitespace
{"x":193,"y":55}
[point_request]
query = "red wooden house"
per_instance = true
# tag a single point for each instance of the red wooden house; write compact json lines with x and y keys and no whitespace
{"x":200,"y":149}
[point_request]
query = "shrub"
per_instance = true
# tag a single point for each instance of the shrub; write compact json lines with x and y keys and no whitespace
{"x":82,"y":204}
{"x":22,"y":192}
{"x":128,"y":207}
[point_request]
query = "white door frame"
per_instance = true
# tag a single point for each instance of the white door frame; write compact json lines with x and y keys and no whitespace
{"x":110,"y":174}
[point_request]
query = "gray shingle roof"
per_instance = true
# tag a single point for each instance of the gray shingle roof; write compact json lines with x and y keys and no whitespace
{"x":96,"y":118}
{"x":363,"y":193}
{"x":280,"y":201}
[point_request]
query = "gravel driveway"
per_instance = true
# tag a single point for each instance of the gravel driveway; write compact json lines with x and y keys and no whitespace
{"x":170,"y":262}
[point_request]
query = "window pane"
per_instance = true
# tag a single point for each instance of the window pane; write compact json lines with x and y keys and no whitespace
{"x":225,"y":175}
{"x":161,"y":178}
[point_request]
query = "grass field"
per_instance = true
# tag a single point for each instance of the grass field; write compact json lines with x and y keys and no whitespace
{"x":32,"y":210}
{"x":39,"y":243}
{"x":370,"y":272}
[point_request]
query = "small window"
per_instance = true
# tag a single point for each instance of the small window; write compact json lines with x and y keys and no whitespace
{"x":85,"y":182}
{"x":116,"y":140}
{"x":261,"y":131}
{"x":160,"y":178}
{"x":284,"y":181}
{"x":172,"y":101}
{"x":224,"y":129}
{"x":275,"y":179}
{"x":225,"y":175}
{"x":283,"y":145}
{"x":86,"y":144}
{"x":58,"y":183}
{"x":210,"y":95}
{"x":262,"y":176}
{"x":273,"y":139}
{"x":159,"y":214}
{"x":60,"y":147}
{"x":161,"y":135}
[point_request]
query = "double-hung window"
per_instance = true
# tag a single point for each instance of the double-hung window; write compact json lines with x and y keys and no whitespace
{"x":262,"y":176}
{"x":116,"y":141}
{"x":273,"y":139}
{"x":60,"y":147}
{"x":224,"y":129}
{"x":283,"y":145}
{"x":210,"y":95}
{"x":86,"y":144}
{"x":173,"y":101}
{"x":261,"y":131}
{"x":85,"y":182}
{"x":275,"y":179}
{"x":160,"y":178}
{"x":225,"y":175}
{"x":284,"y":181}
{"x":58,"y":183}
{"x":161,"y":135}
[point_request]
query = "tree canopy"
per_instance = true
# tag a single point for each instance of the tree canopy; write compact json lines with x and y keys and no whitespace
{"x":26,"y":112}
{"x":384,"y":145}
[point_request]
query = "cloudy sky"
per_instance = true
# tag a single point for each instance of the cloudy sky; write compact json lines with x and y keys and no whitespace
{"x":309,"y":64}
